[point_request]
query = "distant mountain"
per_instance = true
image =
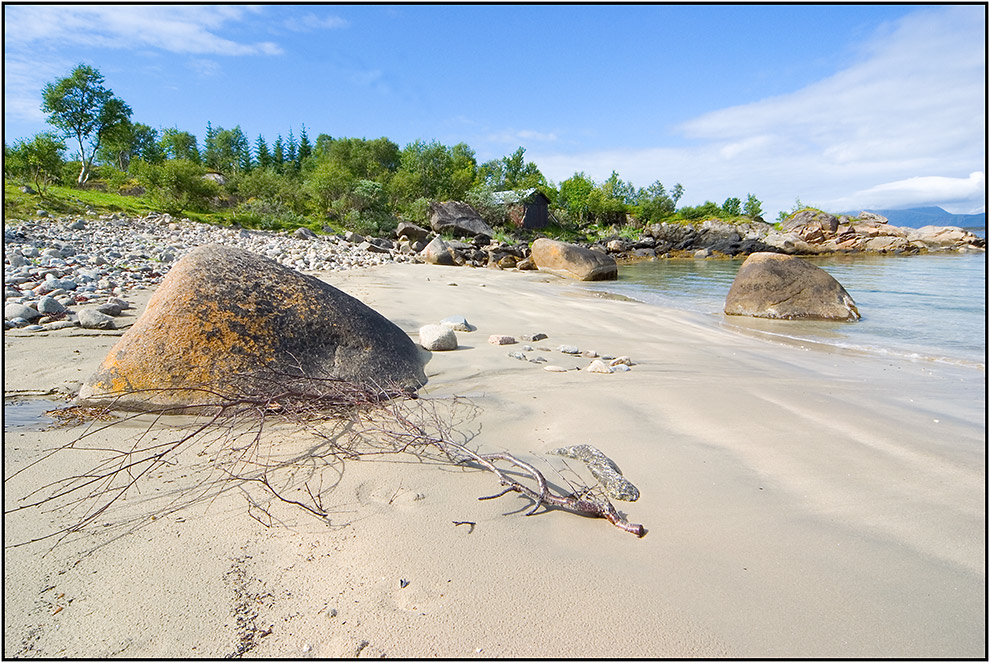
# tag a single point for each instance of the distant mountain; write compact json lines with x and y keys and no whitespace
{"x":916,"y":217}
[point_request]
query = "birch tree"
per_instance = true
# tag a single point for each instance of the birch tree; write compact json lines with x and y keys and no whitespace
{"x":82,"y":108}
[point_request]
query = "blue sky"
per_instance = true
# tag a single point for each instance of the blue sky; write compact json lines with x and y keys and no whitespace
{"x":842,"y":106}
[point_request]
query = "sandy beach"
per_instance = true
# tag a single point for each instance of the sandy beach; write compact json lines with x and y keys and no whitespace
{"x":799,"y":503}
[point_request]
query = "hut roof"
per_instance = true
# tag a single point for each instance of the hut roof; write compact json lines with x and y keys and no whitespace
{"x":531,"y":195}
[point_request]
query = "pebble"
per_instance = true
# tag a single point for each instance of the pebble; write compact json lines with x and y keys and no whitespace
{"x":568,"y":349}
{"x":517,"y":355}
{"x":13,"y":311}
{"x":458,"y":323}
{"x":499,"y":339}
{"x":533,"y":337}
{"x":437,"y":338}
{"x":555,"y":369}
{"x":92,"y":319}
{"x":113,"y":310}
{"x":49,"y":305}
{"x":598,"y":366}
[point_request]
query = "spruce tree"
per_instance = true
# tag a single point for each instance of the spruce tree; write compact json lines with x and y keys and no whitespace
{"x":278,"y":153}
{"x":262,"y":156}
{"x":305,"y":149}
{"x":290,"y":149}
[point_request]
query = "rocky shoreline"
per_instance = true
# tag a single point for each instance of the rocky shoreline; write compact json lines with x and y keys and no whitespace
{"x":71,"y":271}
{"x":78,"y":271}
{"x":809,"y":232}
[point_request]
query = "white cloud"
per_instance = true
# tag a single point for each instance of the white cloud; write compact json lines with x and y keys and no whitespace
{"x":31,"y":32}
{"x":918,"y":191}
{"x":913,"y":109}
{"x":204,"y":67}
{"x":515,"y":137}
{"x":175,"y":28}
{"x":311,"y":22}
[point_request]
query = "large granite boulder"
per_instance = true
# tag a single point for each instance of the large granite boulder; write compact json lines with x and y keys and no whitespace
{"x":458,"y":218}
{"x":772,"y":285}
{"x":573,"y":261}
{"x":223,"y":315}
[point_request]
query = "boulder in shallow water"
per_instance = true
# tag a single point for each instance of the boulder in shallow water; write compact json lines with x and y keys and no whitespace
{"x":223,"y":314}
{"x":573,"y":261}
{"x":772,"y":285}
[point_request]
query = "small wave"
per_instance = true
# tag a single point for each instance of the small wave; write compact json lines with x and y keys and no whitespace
{"x":851,"y":348}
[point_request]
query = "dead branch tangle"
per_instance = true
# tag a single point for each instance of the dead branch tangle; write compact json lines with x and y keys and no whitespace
{"x":345,"y":421}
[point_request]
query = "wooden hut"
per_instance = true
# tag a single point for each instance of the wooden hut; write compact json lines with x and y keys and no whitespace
{"x":528,"y":208}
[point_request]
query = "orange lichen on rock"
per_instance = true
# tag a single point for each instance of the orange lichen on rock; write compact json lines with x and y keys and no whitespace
{"x":222,"y":313}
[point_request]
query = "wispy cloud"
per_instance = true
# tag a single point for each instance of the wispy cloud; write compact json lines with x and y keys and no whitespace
{"x":517,"y":136}
{"x":918,"y":191}
{"x":32,"y":31}
{"x":310,"y":22}
{"x":188,"y":29}
{"x":912,"y":110}
{"x":205,"y":68}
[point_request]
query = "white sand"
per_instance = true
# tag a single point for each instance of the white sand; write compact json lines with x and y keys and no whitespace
{"x":799,"y":503}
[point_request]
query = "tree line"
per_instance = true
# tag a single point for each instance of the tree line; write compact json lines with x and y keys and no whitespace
{"x":355,"y":183}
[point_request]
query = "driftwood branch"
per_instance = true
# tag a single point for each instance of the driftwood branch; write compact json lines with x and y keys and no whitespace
{"x":345,"y":420}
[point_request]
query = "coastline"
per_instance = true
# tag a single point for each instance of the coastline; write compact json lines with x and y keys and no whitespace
{"x":799,"y":502}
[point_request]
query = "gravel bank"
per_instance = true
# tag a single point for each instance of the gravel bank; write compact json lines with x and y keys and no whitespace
{"x":54,"y":269}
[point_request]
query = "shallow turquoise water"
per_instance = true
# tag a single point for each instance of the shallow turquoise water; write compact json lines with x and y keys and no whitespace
{"x":922,"y":307}
{"x":26,"y":413}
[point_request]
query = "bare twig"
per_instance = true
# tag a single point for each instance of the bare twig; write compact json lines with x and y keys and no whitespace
{"x":346,"y":421}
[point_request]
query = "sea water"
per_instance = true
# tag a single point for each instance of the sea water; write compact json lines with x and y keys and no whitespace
{"x":929,"y":307}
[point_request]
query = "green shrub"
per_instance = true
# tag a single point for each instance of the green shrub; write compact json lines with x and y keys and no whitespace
{"x":268,"y":215}
{"x":177,"y":185}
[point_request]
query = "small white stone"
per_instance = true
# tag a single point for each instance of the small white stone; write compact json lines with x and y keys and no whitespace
{"x":598,"y":366}
{"x":437,"y":338}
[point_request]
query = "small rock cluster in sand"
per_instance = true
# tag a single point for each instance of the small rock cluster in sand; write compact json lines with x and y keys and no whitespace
{"x":441,"y":337}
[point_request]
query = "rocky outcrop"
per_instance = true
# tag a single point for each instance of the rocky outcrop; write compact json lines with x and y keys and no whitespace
{"x":772,"y":285}
{"x":808,"y":232}
{"x":223,"y":315}
{"x":573,"y":261}
{"x":458,"y":218}
{"x":942,"y":238}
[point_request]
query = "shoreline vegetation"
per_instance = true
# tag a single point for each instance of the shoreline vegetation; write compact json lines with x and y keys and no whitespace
{"x":341,"y":184}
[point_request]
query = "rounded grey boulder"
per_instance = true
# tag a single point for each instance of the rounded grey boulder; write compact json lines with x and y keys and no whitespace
{"x":223,"y":316}
{"x":773,"y":285}
{"x":573,"y":261}
{"x":437,"y":338}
